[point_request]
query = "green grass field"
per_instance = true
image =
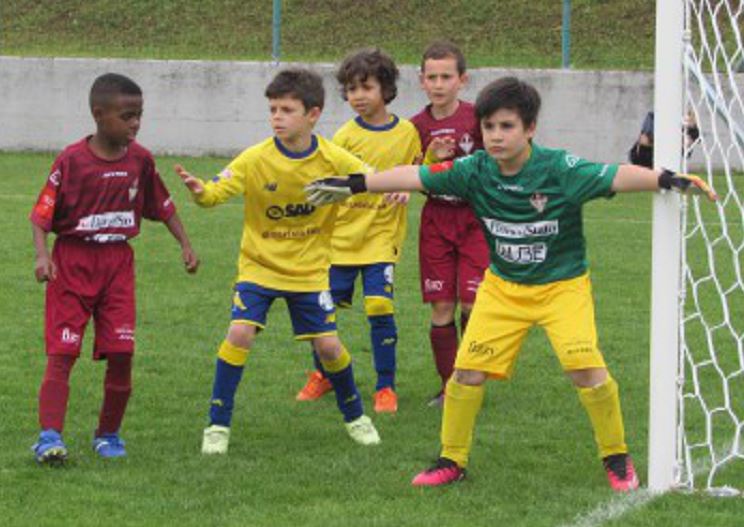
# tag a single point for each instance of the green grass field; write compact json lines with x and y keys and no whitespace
{"x":605,"y":34}
{"x":533,"y":462}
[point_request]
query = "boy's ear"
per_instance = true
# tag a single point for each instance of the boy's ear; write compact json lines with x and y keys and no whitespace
{"x":97,"y":112}
{"x":314,"y":114}
{"x":464,"y":78}
{"x":531,"y":129}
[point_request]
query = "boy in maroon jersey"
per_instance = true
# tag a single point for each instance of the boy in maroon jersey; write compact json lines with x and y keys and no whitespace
{"x":452,"y":250}
{"x":98,"y":191}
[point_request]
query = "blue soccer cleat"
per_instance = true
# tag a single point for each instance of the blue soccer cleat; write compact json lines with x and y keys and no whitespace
{"x":109,"y":445}
{"x":50,"y":449}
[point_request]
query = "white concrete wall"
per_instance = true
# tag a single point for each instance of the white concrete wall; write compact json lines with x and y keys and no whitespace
{"x":197,"y":107}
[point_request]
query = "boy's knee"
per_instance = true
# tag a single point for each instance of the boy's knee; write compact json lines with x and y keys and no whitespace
{"x":442,"y":313}
{"x":470,"y":377}
{"x":328,"y":348}
{"x":589,"y":377}
{"x":241,"y":335}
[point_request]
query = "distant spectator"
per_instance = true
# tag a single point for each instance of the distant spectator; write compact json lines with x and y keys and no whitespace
{"x":642,"y":151}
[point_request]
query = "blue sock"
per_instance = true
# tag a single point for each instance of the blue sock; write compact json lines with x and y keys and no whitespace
{"x":226,"y":381}
{"x":384,"y":335}
{"x":318,"y":365}
{"x":347,"y":396}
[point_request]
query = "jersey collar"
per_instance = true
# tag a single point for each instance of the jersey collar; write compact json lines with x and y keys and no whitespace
{"x":381,"y":128}
{"x":297,"y":155}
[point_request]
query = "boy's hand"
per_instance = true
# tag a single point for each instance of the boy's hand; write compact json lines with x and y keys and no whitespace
{"x":400,"y":198}
{"x":332,"y":189}
{"x":45,"y":269}
{"x":441,"y":148}
{"x":686,"y":184}
{"x":192,"y":183}
{"x":190,"y":260}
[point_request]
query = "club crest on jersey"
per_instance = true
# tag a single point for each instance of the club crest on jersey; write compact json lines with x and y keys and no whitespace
{"x":271,"y":187}
{"x":466,"y":143}
{"x":538,"y":201}
{"x":133,"y":189}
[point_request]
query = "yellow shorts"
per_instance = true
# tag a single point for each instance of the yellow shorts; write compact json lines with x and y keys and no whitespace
{"x":504,"y":311}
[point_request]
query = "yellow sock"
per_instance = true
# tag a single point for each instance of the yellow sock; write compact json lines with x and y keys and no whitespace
{"x":602,"y":403}
{"x":461,"y":406}
{"x":232,"y":354}
{"x":338,"y":364}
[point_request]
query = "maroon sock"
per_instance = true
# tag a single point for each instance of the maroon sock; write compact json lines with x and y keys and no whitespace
{"x":117,"y":387}
{"x":464,"y":317}
{"x":54,"y":392}
{"x":444,"y":345}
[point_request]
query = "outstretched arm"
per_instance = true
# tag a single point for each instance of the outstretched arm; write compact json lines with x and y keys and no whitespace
{"x":190,"y":260}
{"x":634,"y":178}
{"x":332,"y":189}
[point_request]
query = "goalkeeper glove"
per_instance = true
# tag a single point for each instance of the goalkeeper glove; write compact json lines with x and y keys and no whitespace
{"x":332,"y":189}
{"x":685,"y":183}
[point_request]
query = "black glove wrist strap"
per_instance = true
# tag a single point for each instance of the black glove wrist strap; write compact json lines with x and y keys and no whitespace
{"x":665,"y":178}
{"x":357,"y":183}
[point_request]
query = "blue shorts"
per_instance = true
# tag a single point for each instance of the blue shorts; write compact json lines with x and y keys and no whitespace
{"x":377,"y":281}
{"x":313,"y":314}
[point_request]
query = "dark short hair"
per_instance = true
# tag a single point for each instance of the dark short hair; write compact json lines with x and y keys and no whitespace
{"x":509,"y":93}
{"x":444,"y":49}
{"x":109,"y":85}
{"x":298,"y":83}
{"x":366,"y":63}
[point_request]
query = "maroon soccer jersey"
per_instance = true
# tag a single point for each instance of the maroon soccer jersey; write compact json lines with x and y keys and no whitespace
{"x":462,"y":126}
{"x":101,"y":201}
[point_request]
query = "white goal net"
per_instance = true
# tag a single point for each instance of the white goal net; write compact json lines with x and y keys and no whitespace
{"x":710,"y":412}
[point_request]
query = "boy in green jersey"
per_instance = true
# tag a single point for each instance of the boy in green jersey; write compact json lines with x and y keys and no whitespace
{"x":528,"y":200}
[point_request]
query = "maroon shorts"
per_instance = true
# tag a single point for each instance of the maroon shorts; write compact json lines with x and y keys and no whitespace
{"x":453,"y":253}
{"x":92,"y":280}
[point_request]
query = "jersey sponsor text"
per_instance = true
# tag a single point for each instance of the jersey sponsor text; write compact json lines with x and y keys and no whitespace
{"x":521,"y":230}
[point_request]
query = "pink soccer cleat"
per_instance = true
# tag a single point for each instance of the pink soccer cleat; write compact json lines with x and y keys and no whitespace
{"x":621,"y":472}
{"x":444,"y":472}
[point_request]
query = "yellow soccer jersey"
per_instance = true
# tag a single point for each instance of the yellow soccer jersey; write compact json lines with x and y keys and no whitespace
{"x":369,"y":230}
{"x":286,"y":241}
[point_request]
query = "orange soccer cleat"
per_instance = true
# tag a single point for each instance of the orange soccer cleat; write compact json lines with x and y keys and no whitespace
{"x":315,"y":387}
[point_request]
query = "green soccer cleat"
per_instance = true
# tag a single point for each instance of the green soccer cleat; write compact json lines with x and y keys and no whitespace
{"x":215,"y":440}
{"x":363,"y":431}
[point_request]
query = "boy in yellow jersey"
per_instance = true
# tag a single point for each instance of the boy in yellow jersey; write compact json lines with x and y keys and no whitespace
{"x":285,"y":249}
{"x":370,"y":229}
{"x":528,"y":200}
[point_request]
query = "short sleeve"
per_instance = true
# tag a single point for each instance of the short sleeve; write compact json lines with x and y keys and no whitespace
{"x":158,"y":205}
{"x":228,"y":183}
{"x":448,"y":177}
{"x":42,"y":214}
{"x":584,"y":181}
{"x":347,"y":163}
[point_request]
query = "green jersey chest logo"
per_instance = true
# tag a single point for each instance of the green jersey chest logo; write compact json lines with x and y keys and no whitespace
{"x":538,"y":201}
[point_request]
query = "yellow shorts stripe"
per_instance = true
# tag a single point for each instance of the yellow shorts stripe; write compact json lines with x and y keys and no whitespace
{"x":310,"y":336}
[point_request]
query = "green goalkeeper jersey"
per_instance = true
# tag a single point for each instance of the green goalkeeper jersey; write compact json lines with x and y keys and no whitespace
{"x":532,"y":220}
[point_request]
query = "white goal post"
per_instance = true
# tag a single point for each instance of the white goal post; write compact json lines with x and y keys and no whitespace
{"x":696,"y":413}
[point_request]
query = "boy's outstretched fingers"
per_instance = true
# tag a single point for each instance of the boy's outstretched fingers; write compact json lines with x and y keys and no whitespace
{"x":686,"y":183}
{"x":194,"y":184}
